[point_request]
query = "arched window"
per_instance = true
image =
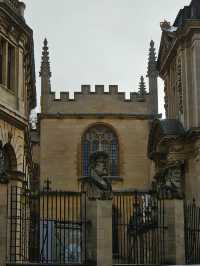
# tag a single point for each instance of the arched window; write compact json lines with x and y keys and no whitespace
{"x":100,"y":138}
{"x":10,"y":158}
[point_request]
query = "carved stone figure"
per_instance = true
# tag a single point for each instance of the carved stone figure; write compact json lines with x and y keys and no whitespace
{"x":173,"y":184}
{"x":99,"y":187}
{"x":3,"y":176}
{"x":169,"y":182}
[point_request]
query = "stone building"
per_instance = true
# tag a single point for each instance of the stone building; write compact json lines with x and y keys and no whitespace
{"x":18,"y":97}
{"x":174,"y":142}
{"x":71,"y":129}
{"x":17,"y":89}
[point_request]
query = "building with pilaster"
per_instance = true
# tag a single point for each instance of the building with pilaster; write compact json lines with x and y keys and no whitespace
{"x":174,"y":142}
{"x":17,"y":99}
{"x":17,"y":89}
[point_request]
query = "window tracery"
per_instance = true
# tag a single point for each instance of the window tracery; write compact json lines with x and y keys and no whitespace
{"x":100,"y":138}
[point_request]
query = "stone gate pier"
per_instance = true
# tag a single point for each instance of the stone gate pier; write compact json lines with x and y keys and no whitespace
{"x":99,"y":232}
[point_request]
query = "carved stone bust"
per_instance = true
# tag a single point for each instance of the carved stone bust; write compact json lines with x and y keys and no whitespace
{"x":99,"y":187}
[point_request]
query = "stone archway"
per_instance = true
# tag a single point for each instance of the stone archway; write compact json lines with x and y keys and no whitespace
{"x":10,"y":158}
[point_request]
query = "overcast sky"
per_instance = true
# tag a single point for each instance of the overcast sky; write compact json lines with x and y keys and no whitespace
{"x":98,"y":41}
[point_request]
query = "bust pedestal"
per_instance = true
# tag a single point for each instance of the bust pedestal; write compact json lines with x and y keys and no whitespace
{"x":99,"y":232}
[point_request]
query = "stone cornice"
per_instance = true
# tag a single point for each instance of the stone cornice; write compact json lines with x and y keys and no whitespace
{"x":100,"y":116}
{"x":13,"y":117}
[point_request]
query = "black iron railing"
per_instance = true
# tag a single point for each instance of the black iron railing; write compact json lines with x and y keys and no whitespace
{"x":48,"y":227}
{"x":138,"y":229}
{"x":192,"y":233}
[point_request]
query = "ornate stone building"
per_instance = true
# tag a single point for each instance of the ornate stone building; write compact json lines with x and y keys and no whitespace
{"x":18,"y":97}
{"x":17,"y":89}
{"x":174,"y":142}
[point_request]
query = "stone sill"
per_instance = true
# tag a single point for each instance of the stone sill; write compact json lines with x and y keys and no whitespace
{"x":111,"y":178}
{"x":4,"y":87}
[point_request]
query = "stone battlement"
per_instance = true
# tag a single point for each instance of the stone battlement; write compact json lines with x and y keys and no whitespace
{"x":99,"y":101}
{"x":99,"y":90}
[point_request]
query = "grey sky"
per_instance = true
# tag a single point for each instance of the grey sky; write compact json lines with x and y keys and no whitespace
{"x":98,"y":41}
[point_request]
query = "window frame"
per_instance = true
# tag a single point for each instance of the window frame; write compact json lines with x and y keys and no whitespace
{"x":8,"y":82}
{"x":11,"y":68}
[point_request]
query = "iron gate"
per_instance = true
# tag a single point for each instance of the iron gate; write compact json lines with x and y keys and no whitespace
{"x":48,"y":227}
{"x":138,"y":228}
{"x":192,"y":233}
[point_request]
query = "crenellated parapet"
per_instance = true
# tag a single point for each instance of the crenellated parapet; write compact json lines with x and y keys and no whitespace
{"x":86,"y":90}
{"x":98,"y":100}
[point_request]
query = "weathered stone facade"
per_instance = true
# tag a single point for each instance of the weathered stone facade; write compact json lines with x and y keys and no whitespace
{"x":175,"y":140}
{"x":18,"y":97}
{"x":17,"y":82}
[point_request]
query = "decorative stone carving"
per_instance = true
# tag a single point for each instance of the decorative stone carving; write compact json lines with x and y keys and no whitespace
{"x":142,"y":87}
{"x":3,"y":175}
{"x":169,"y":181}
{"x":166,"y":98}
{"x":165,"y":25}
{"x":97,"y":185}
{"x":179,"y":85}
